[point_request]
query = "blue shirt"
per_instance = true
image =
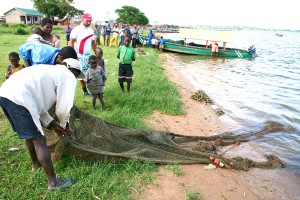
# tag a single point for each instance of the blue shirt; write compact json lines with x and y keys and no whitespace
{"x":162,"y":41}
{"x":150,"y":37}
{"x":38,"y":53}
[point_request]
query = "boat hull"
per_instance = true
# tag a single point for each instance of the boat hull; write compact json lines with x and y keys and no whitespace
{"x":202,"y":51}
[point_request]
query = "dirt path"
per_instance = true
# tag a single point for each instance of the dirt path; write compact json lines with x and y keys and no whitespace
{"x":220,"y":183}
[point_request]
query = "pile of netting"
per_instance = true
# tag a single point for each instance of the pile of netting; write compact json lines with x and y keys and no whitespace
{"x":94,"y":139}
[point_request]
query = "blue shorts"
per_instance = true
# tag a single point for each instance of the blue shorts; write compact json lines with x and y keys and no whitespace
{"x":84,"y":61}
{"x":20,"y":119}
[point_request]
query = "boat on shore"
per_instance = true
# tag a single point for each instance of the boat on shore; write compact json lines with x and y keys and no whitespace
{"x":204,"y":49}
{"x":278,"y":34}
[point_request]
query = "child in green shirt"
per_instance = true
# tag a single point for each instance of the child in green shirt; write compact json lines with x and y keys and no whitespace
{"x":126,"y":54}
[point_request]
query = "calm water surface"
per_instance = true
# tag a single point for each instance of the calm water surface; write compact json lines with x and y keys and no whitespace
{"x":253,"y":91}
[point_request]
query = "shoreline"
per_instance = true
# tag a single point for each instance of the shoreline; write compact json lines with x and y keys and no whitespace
{"x":200,"y":119}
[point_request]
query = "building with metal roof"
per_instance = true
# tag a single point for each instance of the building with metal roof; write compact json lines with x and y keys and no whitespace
{"x":23,"y":16}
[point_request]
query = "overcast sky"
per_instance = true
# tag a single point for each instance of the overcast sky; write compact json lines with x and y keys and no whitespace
{"x":256,"y":13}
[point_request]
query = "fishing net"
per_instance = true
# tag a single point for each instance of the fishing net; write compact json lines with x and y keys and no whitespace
{"x":201,"y":96}
{"x":94,"y":139}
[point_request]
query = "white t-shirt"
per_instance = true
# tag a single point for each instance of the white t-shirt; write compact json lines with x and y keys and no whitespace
{"x":115,"y":31}
{"x":38,"y":88}
{"x":154,"y":41}
{"x":83,"y":39}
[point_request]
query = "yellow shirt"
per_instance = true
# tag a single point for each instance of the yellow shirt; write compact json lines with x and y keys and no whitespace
{"x":14,"y":70}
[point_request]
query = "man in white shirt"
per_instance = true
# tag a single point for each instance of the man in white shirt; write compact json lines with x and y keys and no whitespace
{"x":26,"y":97}
{"x":82,"y":40}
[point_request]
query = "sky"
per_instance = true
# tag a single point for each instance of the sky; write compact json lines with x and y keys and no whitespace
{"x":252,"y":13}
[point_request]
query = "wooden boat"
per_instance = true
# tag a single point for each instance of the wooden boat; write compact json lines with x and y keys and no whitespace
{"x":205,"y":50}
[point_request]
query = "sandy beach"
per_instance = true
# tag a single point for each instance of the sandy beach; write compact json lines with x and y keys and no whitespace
{"x":220,"y":183}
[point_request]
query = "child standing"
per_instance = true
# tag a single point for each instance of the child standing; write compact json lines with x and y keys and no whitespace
{"x":161,"y":43}
{"x":101,"y":63}
{"x":15,"y":66}
{"x":126,"y":34}
{"x":94,"y":81}
{"x":126,"y":54}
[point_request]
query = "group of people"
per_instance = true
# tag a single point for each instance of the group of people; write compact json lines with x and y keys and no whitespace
{"x":152,"y":41}
{"x":82,"y":38}
{"x":115,"y":36}
{"x":48,"y":78}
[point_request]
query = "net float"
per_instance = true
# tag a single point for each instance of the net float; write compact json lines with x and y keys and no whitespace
{"x":216,"y":161}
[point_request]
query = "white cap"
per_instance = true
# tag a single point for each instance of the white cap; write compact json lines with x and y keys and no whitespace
{"x":75,"y":64}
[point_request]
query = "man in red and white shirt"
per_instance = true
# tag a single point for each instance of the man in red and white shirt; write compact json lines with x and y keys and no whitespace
{"x":82,"y":40}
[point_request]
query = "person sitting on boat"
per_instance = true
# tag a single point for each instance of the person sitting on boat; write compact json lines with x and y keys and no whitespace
{"x":214,"y":48}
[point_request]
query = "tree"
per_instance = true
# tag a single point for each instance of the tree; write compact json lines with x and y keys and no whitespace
{"x":57,"y":8}
{"x":131,"y":15}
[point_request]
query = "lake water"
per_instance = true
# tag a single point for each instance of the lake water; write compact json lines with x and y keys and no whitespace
{"x":253,"y":91}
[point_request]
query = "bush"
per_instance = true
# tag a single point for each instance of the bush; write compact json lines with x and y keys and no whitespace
{"x":18,"y":25}
{"x":4,"y":25}
{"x":22,"y":25}
{"x":21,"y":31}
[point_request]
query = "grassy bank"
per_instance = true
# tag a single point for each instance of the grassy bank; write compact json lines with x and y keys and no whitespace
{"x":151,"y":90}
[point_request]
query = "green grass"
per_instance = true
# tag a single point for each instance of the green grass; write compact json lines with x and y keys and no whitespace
{"x":192,"y":195}
{"x":151,"y":90}
{"x":175,"y":169}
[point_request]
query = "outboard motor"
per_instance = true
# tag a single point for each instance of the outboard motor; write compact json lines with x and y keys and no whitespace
{"x":252,"y":51}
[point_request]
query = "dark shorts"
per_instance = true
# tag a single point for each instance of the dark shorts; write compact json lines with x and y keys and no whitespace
{"x":20,"y":119}
{"x":125,"y":72}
